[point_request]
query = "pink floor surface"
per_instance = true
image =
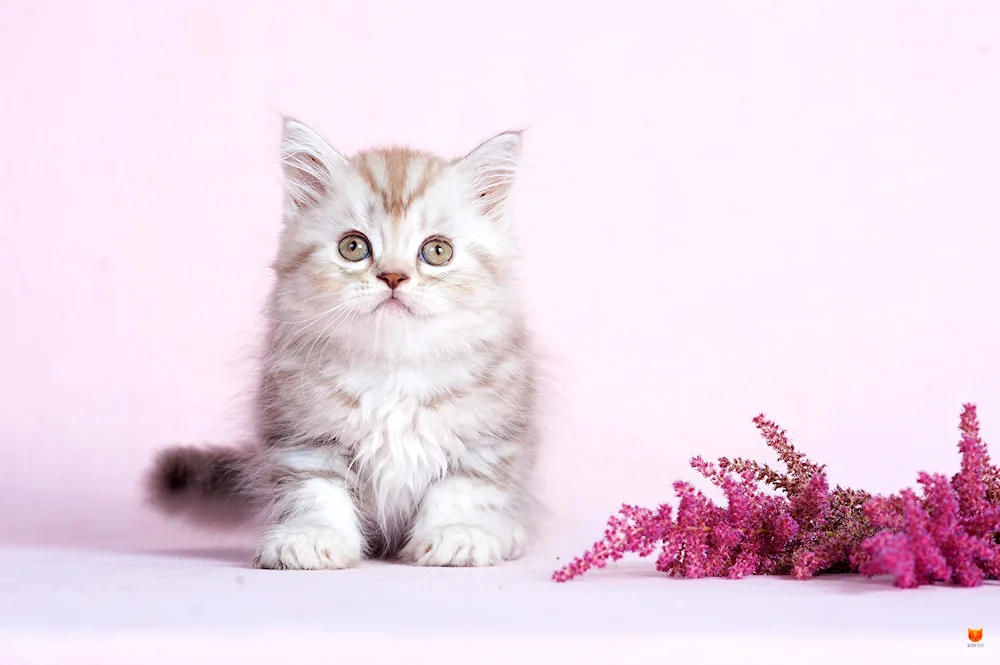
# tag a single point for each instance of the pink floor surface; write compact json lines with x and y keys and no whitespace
{"x":207,"y":606}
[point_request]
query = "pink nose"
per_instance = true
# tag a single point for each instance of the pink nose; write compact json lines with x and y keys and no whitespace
{"x":393,"y":279}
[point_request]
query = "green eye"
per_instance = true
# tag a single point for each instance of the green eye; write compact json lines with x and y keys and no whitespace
{"x":436,"y":252}
{"x":354,"y":247}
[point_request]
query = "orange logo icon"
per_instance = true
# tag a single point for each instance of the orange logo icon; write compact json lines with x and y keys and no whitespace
{"x":975,"y":634}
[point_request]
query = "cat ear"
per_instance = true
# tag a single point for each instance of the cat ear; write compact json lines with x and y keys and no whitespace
{"x":490,"y":171}
{"x":309,"y":164}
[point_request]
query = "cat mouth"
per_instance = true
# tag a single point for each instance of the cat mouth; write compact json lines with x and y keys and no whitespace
{"x":392,"y":304}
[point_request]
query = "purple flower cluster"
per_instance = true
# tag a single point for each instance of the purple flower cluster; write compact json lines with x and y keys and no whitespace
{"x":950,"y":534}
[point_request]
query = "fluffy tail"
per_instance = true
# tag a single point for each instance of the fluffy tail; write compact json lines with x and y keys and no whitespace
{"x":209,"y":486}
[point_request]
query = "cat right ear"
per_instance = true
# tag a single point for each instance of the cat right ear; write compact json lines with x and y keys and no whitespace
{"x":309,"y":165}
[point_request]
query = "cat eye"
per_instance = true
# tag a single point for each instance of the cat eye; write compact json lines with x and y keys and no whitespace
{"x":354,"y":247}
{"x":436,"y":252}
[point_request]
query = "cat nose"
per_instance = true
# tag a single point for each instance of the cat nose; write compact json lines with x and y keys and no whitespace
{"x":393,"y":279}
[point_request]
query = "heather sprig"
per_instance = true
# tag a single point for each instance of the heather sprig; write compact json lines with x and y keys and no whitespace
{"x":949,"y":534}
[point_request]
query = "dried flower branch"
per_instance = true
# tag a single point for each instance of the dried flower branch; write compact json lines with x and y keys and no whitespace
{"x":950,"y":534}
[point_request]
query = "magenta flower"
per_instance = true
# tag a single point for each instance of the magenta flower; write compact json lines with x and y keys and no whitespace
{"x":950,"y":534}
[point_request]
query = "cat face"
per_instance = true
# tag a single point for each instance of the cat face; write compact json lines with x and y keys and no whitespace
{"x":395,"y":248}
{"x":975,"y":634}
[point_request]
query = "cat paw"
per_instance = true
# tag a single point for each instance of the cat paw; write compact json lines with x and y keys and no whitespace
{"x":305,"y":548}
{"x":455,"y":546}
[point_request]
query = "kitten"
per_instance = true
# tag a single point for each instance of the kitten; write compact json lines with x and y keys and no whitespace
{"x":396,"y":403}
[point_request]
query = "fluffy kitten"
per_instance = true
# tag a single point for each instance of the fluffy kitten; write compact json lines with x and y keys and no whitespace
{"x":397,"y":398}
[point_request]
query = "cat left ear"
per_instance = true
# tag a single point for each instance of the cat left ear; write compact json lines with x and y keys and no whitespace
{"x":309,"y":164}
{"x":490,"y":171}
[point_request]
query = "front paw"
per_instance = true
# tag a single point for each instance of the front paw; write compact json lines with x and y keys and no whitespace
{"x":290,"y":547}
{"x":454,"y":546}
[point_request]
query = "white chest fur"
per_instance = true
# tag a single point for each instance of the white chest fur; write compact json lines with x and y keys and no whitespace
{"x":402,"y":445}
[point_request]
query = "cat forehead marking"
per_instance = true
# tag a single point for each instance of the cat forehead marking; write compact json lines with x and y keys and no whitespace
{"x":398,"y":175}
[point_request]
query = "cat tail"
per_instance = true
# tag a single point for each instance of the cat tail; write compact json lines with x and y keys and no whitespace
{"x":209,"y":486}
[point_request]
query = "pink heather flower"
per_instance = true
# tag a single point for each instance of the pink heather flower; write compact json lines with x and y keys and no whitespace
{"x":975,"y":456}
{"x":632,"y":530}
{"x":890,"y":553}
{"x":808,"y":507}
{"x":885,"y":512}
{"x":910,"y":556}
{"x":951,"y":533}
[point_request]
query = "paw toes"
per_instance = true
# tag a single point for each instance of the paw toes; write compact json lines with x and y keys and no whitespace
{"x":305,"y":549}
{"x":455,"y":546}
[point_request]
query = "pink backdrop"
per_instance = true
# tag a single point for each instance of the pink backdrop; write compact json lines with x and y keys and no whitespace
{"x":807,"y":192}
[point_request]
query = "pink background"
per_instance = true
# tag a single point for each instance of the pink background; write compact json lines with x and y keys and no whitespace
{"x":726,"y":208}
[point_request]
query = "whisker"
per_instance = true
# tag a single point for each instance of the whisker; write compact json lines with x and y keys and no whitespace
{"x":294,"y":335}
{"x":340,"y":316}
{"x":312,"y":318}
